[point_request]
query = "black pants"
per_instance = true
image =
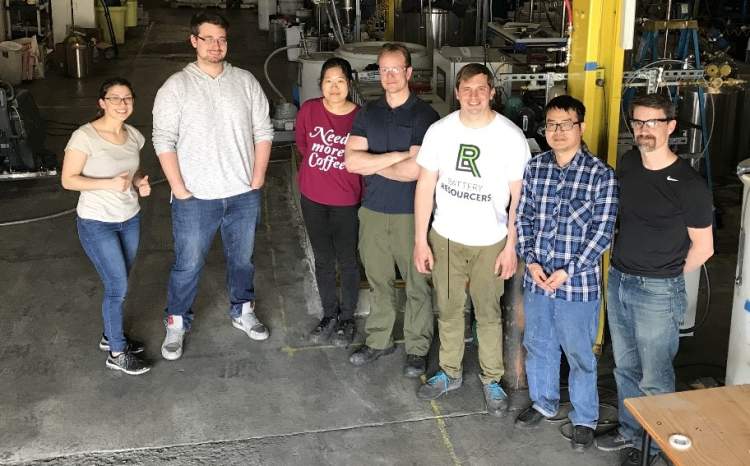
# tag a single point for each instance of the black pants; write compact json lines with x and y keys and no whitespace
{"x":333,"y":232}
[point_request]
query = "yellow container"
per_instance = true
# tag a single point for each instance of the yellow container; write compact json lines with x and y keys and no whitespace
{"x":117,"y":13}
{"x":131,"y":13}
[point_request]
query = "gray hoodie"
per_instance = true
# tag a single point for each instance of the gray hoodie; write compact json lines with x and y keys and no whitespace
{"x":212,"y":124}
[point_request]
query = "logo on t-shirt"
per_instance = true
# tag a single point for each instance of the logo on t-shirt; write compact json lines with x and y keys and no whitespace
{"x":329,"y":152}
{"x":467,"y":157}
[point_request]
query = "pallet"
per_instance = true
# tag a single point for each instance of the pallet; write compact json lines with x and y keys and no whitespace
{"x":201,"y":6}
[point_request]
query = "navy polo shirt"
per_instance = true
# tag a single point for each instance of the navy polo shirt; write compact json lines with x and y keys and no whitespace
{"x":390,"y":130}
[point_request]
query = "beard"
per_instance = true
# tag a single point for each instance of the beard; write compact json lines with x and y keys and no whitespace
{"x":646,"y":143}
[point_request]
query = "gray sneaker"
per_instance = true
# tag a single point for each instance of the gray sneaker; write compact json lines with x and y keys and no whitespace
{"x":437,"y":385}
{"x":128,"y":363}
{"x":249,"y":323}
{"x":171,"y":349}
{"x":613,"y":441}
{"x":497,"y":399}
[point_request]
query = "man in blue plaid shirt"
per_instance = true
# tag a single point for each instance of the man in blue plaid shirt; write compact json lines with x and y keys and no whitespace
{"x":565,"y":220}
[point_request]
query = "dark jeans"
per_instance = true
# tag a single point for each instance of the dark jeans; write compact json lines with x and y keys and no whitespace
{"x":112,"y":247}
{"x":194,"y":225}
{"x":333,"y":234}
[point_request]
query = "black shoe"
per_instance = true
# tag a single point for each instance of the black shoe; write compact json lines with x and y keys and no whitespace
{"x":128,"y":363}
{"x":132,"y":346}
{"x":366,"y":355}
{"x":529,"y":418}
{"x":634,"y":459}
{"x":322,"y":333}
{"x":343,"y":334}
{"x":583,"y":438}
{"x":415,"y":365}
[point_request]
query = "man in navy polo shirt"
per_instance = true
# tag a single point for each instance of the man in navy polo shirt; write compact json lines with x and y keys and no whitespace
{"x":383,"y":146}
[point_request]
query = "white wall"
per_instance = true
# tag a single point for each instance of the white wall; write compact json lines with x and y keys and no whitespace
{"x":83,"y":13}
{"x":62,"y":16}
{"x":72,"y":12}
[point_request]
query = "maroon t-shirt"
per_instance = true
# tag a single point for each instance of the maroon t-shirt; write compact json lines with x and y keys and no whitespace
{"x":321,"y":137}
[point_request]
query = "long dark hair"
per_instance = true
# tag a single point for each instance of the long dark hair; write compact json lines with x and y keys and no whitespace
{"x":105,"y":88}
{"x":336,"y":62}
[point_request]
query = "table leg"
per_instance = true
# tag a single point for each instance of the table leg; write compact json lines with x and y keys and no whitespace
{"x":645,"y":448}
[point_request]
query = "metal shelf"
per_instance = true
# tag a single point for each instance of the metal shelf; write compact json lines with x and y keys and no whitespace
{"x":39,"y":7}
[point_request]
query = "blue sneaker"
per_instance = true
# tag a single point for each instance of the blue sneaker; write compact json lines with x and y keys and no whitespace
{"x":437,"y":385}
{"x":497,"y":399}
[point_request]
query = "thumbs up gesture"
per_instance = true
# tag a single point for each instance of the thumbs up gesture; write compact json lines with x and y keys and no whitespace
{"x":144,"y":188}
{"x":121,"y":183}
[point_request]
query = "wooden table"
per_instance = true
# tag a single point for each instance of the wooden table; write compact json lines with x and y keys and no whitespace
{"x":716,"y":420}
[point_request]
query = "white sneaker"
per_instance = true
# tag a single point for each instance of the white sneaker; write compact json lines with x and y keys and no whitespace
{"x":171,"y":349}
{"x":250,"y":324}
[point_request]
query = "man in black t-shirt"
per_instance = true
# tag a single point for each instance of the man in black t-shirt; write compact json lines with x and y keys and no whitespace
{"x":665,"y":231}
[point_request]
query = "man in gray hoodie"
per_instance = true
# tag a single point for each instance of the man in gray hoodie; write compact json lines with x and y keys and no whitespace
{"x":213,"y":134}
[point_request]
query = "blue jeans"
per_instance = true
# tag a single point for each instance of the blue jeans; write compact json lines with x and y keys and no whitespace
{"x":194,"y":226}
{"x":112,"y":248}
{"x":551,"y":324}
{"x":645,"y":315}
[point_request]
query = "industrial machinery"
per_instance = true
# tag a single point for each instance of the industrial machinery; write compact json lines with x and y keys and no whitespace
{"x":448,"y":61}
{"x":22,"y":152}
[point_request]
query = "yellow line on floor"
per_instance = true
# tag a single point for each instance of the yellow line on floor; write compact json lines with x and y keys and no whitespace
{"x":443,"y":430}
{"x":282,"y":307}
{"x":145,"y":38}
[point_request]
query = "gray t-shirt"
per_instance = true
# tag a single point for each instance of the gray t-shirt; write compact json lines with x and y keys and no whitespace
{"x":107,"y":160}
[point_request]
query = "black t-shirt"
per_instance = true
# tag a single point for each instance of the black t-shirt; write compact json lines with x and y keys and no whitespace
{"x":656,"y":209}
{"x":387,"y":130}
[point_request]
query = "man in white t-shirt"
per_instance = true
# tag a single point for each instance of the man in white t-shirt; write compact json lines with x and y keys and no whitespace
{"x":472,"y":163}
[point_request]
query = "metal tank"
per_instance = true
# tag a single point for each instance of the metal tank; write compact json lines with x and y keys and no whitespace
{"x":728,"y":137}
{"x":443,"y":27}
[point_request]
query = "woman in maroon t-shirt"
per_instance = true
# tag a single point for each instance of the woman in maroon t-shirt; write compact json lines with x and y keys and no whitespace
{"x":330,"y":199}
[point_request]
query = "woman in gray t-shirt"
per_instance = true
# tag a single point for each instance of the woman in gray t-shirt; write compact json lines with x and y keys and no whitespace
{"x":102,"y":162}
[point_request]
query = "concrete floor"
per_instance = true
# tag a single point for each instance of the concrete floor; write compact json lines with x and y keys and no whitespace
{"x":231,"y":400}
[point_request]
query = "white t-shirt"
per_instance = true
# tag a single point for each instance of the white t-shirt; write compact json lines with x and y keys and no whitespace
{"x":107,"y":160}
{"x":474,"y":168}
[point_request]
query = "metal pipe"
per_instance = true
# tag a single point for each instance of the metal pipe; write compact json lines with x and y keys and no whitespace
{"x":666,"y":33}
{"x":265,"y":69}
{"x":358,"y":21}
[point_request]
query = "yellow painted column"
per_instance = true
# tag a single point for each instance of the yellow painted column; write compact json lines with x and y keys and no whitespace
{"x":595,"y":78}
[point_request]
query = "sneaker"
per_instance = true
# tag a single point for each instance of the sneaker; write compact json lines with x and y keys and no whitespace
{"x":322,"y":333}
{"x":613,"y":441}
{"x":132,"y":346}
{"x":128,"y":363}
{"x":529,"y":418}
{"x":250,"y":324}
{"x":415,"y":365}
{"x":437,"y":385}
{"x":171,"y":349}
{"x":366,"y":355}
{"x":497,"y":399}
{"x":343,"y":334}
{"x":583,"y":438}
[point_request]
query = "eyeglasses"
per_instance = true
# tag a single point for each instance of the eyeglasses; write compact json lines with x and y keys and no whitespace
{"x":392,"y":70}
{"x":210,"y":40}
{"x":653,"y":123}
{"x":119,"y":100}
{"x":564,"y":126}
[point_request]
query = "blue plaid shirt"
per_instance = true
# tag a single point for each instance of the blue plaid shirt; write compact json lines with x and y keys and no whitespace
{"x":565,"y":221}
